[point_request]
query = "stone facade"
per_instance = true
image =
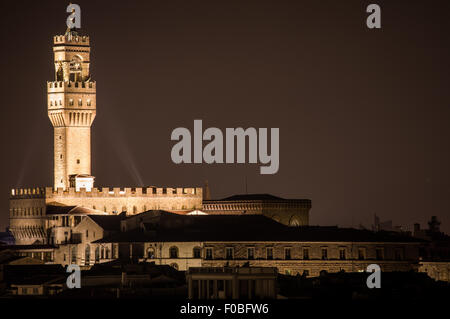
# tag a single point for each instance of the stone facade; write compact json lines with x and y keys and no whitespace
{"x":71,"y":102}
{"x":28,"y":206}
{"x":438,"y":270}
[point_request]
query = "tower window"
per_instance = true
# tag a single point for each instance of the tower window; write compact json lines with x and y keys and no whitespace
{"x":60,"y":137}
{"x":51,"y":103}
{"x":88,"y":102}
{"x":80,"y":102}
{"x":71,"y":102}
{"x":78,"y":161}
{"x":60,"y":102}
{"x":60,"y":156}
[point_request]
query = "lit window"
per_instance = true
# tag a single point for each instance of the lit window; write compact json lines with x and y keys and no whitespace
{"x":71,"y":102}
{"x":88,"y":102}
{"x":80,"y":102}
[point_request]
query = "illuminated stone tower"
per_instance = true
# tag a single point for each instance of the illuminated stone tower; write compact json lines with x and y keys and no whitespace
{"x":72,"y":109}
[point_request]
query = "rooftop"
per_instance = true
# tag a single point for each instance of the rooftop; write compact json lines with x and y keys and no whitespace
{"x":254,"y":228}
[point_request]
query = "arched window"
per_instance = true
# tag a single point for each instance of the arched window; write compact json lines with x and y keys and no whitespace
{"x":75,"y":67}
{"x":197,"y":252}
{"x":174,"y":265}
{"x":150,"y":252}
{"x":173,"y":252}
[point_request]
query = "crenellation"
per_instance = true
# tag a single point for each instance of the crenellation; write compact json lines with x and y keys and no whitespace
{"x":67,"y":39}
{"x":71,"y":86}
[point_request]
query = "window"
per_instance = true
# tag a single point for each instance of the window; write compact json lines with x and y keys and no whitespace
{"x":87,"y":234}
{"x":70,"y":102}
{"x":269,"y":253}
{"x":173,"y":252}
{"x":306,"y":253}
{"x":88,"y":102}
{"x":35,"y":291}
{"x":60,"y":156}
{"x":361,"y":253}
{"x":251,"y":253}
{"x":209,"y":253}
{"x":398,"y":254}
{"x":78,"y":161}
{"x":80,"y":102}
{"x":229,"y":253}
{"x":380,"y":253}
{"x":342,"y":253}
{"x":151,"y":252}
{"x":324,"y":253}
{"x":287,"y":253}
{"x":24,"y":291}
{"x":197,"y":252}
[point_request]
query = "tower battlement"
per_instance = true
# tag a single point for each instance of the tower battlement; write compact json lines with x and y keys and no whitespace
{"x":49,"y":192}
{"x":71,"y":87}
{"x":71,"y":39}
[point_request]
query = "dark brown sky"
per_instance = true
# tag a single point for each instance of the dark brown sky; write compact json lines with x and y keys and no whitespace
{"x":363,"y":114}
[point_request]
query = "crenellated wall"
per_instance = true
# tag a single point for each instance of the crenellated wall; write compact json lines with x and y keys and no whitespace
{"x":27,"y":205}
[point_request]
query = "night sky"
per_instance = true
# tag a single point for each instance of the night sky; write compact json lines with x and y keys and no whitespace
{"x":363,"y":114}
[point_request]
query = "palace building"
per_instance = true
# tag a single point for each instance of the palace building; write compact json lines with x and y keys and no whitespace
{"x":72,"y":108}
{"x":74,"y":222}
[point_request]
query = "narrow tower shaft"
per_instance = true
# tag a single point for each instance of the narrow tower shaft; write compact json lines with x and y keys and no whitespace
{"x":72,"y":109}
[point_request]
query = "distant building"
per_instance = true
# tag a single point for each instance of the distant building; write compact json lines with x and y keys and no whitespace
{"x":291,"y":212}
{"x":226,"y":240}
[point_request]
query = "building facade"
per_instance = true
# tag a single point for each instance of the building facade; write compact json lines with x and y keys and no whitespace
{"x":72,"y":108}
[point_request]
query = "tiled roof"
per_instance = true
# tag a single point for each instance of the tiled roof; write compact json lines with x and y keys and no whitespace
{"x":248,"y":228}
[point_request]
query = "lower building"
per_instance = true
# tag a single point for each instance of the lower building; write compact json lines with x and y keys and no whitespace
{"x":257,"y":241}
{"x":232,"y":283}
